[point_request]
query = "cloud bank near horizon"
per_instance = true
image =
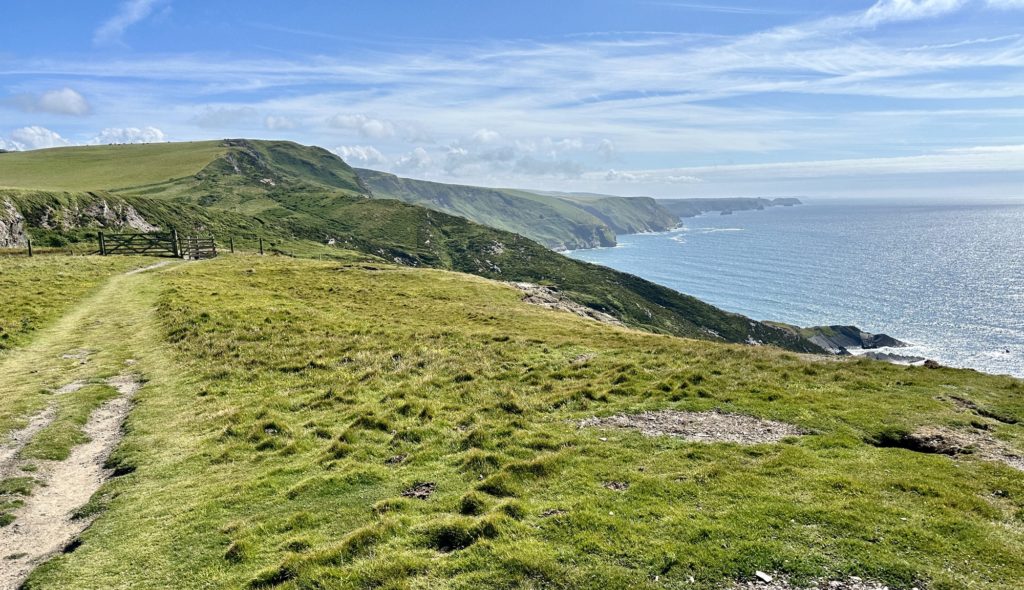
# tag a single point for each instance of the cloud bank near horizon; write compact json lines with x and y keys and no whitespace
{"x":899,"y":88}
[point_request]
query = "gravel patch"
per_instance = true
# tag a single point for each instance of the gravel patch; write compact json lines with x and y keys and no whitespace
{"x":707,"y":427}
{"x":764,"y":581}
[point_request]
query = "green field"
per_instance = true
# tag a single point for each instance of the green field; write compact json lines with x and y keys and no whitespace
{"x":288,"y":404}
{"x":105,"y":167}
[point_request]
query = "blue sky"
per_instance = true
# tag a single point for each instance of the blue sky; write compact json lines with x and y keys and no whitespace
{"x":661,"y":97}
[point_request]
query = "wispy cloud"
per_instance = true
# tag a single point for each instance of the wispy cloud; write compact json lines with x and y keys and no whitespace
{"x":129,"y":13}
{"x":723,"y":8}
{"x":62,"y":101}
{"x":657,"y":107}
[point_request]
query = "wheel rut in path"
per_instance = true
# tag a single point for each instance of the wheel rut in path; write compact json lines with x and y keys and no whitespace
{"x":45,"y":525}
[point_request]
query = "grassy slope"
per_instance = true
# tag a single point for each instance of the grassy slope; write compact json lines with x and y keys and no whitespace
{"x":278,"y":389}
{"x":37,"y":291}
{"x":548,"y":220}
{"x":628,"y":215}
{"x":105,"y":167}
{"x":298,"y":196}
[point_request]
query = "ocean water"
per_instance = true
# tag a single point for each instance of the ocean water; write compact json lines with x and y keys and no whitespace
{"x":947,"y":278}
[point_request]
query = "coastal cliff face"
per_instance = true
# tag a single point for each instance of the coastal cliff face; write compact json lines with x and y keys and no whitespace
{"x":63,"y":213}
{"x":841,"y":339}
{"x":694,"y":207}
{"x":12,"y":226}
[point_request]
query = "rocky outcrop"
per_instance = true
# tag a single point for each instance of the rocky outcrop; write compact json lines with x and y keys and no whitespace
{"x":92,"y":213}
{"x":12,"y":226}
{"x":551,"y":299}
{"x":839,"y":339}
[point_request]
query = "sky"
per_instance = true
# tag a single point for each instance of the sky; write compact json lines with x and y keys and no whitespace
{"x":669,"y":98}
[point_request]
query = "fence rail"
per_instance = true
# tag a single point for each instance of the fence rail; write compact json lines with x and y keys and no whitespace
{"x":158,"y":244}
{"x":140,"y":244}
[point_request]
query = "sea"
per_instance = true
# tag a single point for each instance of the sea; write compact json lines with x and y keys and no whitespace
{"x":947,"y":278}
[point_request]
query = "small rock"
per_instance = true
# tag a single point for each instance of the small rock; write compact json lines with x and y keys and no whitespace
{"x":931,"y":364}
{"x":763,"y":576}
{"x":420,"y":491}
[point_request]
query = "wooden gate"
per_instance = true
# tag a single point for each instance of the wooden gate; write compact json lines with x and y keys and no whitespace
{"x":197,"y":248}
{"x":158,"y":244}
{"x":140,"y":244}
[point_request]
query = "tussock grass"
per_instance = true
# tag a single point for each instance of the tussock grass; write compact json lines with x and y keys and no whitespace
{"x":281,"y":393}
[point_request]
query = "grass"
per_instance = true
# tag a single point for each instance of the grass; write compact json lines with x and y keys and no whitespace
{"x":105,"y":167}
{"x":299,"y":198}
{"x":37,"y":291}
{"x":290,"y":404}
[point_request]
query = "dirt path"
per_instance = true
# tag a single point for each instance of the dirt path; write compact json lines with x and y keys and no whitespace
{"x":44,"y":525}
{"x":150,"y":267}
{"x":19,"y":438}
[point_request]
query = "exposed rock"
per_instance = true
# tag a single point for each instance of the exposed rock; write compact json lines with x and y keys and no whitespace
{"x":889,"y":357}
{"x":700,"y":426}
{"x":420,"y":491}
{"x":551,"y":299}
{"x":932,"y":364}
{"x":12,"y":226}
{"x":98,"y":213}
{"x":838,"y":339}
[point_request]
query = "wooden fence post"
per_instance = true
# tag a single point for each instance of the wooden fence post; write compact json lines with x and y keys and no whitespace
{"x":103,"y":246}
{"x":261,"y":246}
{"x":231,"y":243}
{"x":29,"y":240}
{"x":174,"y":243}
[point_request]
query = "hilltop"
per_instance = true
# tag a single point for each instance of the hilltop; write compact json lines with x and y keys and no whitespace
{"x":300,"y":198}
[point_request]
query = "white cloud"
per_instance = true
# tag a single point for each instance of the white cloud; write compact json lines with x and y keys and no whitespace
{"x":486,"y":136}
{"x":63,"y":101}
{"x":275,"y":123}
{"x":885,"y":11}
{"x":129,"y":135}
{"x":606,"y":149}
{"x":1004,"y":158}
{"x":1006,"y":4}
{"x":376,"y":128}
{"x":416,"y":160}
{"x":365,"y":126}
{"x":10,"y":146}
{"x":35,"y":137}
{"x":129,"y":13}
{"x":649,"y":176}
{"x":361,"y":155}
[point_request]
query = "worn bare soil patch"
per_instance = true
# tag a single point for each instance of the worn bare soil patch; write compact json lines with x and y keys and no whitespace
{"x":18,"y":439}
{"x":852,"y":583}
{"x":700,"y":426}
{"x":45,"y":524}
{"x":956,"y":443}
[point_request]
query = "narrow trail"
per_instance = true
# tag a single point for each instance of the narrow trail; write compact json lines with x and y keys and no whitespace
{"x":108,"y":337}
{"x":46,"y":523}
{"x":19,"y":438}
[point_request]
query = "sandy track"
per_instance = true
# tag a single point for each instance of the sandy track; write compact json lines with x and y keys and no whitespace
{"x":44,"y":525}
{"x":19,"y":438}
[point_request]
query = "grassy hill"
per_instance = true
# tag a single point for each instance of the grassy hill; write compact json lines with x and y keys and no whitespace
{"x":557,"y":222}
{"x":300,"y":197}
{"x":358,"y":424}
